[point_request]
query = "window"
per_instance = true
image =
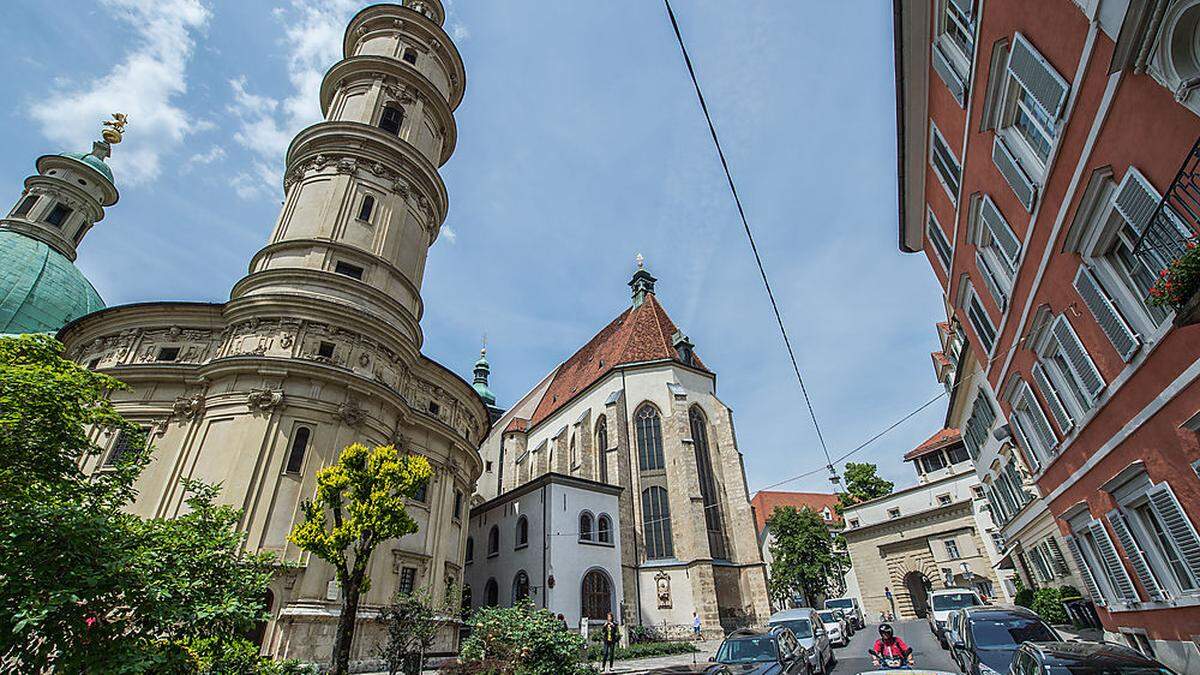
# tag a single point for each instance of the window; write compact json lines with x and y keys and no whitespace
{"x":649,"y":439}
{"x":997,"y":249}
{"x":574,"y":454}
{"x":656,"y":523}
{"x":1069,"y":368}
{"x":410,"y":56}
{"x":25,"y":206}
{"x":985,"y":330}
{"x":951,"y":549}
{"x":295,"y":459}
{"x":493,"y":542}
{"x":458,"y":503}
{"x":958,"y":454}
{"x":1029,"y":104}
{"x":932,"y":462}
{"x":941,"y":245}
{"x":346,"y":269}
{"x":491,"y":593}
{"x":826,"y":514}
{"x":954,"y":46}
{"x":1158,"y":537}
{"x":893,"y":513}
{"x":604,"y":529}
{"x":129,"y":444}
{"x":944,"y":500}
{"x":708,"y":485}
{"x":1029,"y":424}
{"x":391,"y":119}
{"x":522,"y":532}
{"x":487,"y":466}
{"x":325,"y":350}
{"x":585,"y":526}
{"x":958,"y":27}
{"x":366,"y":208}
{"x":602,"y":448}
{"x":167,"y":354}
{"x":944,"y":163}
{"x":853,"y":522}
{"x":421,"y":495}
{"x":979,"y":424}
{"x":520,"y":589}
{"x":597,"y":596}
{"x":58,"y":215}
{"x":408,"y":580}
{"x":434,"y":408}
{"x":470,"y":553}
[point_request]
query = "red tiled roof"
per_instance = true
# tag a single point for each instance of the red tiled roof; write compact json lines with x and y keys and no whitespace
{"x":641,"y":333}
{"x":517,"y":424}
{"x":940,"y":358}
{"x":937,"y":441}
{"x":765,"y":501}
{"x":944,"y":325}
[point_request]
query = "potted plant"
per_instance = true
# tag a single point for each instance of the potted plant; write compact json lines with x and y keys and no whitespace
{"x":1178,"y":287}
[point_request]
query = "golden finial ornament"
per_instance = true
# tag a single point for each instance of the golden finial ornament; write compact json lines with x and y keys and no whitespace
{"x":114,"y":128}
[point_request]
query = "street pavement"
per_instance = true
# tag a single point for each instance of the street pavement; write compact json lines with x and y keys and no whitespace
{"x":853,"y":658}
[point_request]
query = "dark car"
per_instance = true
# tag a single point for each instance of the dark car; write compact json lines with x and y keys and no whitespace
{"x":1083,"y":658}
{"x":990,"y":637}
{"x":757,"y":652}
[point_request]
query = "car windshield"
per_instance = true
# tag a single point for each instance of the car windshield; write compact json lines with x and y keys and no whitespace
{"x":842,"y":603}
{"x":1089,"y":669}
{"x":946,"y":601}
{"x":1007,"y":633}
{"x":747,"y":650}
{"x":799,"y":627}
{"x":827,"y":616}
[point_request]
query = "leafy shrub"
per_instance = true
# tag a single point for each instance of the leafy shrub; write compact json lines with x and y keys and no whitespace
{"x":1048,"y":604}
{"x":1068,"y":593}
{"x":1176,"y":284}
{"x":643,"y":649}
{"x":522,"y":640}
{"x":1024,"y":597}
{"x":640,"y":633}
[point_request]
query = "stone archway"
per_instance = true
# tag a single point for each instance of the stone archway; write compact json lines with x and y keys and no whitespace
{"x":917,"y":585}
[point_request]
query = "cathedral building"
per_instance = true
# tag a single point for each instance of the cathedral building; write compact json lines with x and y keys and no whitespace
{"x":319,"y":344}
{"x":634,"y":408}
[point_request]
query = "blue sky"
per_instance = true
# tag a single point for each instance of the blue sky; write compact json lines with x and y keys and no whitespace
{"x":580,"y":145}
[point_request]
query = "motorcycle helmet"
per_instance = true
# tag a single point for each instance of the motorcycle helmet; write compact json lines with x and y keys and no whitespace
{"x":885,"y":630}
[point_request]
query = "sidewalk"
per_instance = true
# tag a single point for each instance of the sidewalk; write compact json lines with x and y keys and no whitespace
{"x":700,"y":659}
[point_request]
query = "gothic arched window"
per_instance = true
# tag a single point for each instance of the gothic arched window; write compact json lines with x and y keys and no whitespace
{"x":596,"y":596}
{"x":574,"y":454}
{"x":604,"y":529}
{"x":522,"y":532}
{"x":585,"y":526}
{"x":649,"y":439}
{"x":391,"y":119}
{"x":520,"y":589}
{"x":656,"y":523}
{"x":295,"y":460}
{"x":470,"y":555}
{"x":494,"y":541}
{"x":491,"y":593}
{"x":602,"y":448}
{"x":708,"y":484}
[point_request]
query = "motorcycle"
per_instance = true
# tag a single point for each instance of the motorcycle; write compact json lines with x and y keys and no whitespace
{"x":901,"y":662}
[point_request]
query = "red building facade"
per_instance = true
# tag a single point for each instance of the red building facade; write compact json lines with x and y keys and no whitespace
{"x":1036,"y":141}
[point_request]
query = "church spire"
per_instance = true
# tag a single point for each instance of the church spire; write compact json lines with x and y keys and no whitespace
{"x":642,"y":282}
{"x":482,"y":370}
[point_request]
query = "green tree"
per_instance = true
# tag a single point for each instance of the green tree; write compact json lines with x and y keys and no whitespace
{"x":412,"y":624}
{"x":524,"y":640}
{"x":804,"y":561}
{"x":88,"y":587}
{"x":862,"y":484}
{"x":360,"y":503}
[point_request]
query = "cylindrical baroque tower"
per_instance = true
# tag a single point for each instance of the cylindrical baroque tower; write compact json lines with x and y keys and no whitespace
{"x":364,"y":200}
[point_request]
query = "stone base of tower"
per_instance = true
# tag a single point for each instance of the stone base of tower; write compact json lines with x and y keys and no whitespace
{"x":723,"y":595}
{"x":306,"y":632}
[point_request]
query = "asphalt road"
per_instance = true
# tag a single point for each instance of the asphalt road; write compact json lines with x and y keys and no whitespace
{"x":853,"y":658}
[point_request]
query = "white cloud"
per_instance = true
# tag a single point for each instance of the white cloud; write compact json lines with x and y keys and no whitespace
{"x":449,"y":234}
{"x":145,"y":85}
{"x":214,"y":153}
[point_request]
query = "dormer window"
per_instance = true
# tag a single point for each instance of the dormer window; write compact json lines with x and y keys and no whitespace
{"x":59,"y":214}
{"x":392,"y":119}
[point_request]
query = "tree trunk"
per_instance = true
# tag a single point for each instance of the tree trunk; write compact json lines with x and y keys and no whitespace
{"x":345,"y":628}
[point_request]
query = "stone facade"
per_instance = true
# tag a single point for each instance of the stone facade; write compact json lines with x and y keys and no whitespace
{"x":583,"y":420}
{"x":319,"y":345}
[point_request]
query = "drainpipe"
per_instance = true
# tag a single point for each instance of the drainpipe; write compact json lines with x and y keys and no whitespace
{"x":545,"y":542}
{"x":637,"y":576}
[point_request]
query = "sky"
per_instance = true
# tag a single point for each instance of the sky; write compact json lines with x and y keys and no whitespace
{"x":580,"y":145}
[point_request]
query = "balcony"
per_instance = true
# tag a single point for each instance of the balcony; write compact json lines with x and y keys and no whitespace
{"x":1171,"y":231}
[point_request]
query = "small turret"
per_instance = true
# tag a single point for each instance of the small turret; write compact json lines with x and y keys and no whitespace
{"x":642,"y":282}
{"x":482,"y":370}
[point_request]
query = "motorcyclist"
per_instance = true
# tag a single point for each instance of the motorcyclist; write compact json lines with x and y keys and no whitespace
{"x":889,"y":647}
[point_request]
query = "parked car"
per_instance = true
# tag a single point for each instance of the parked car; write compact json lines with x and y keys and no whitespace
{"x":850,"y":606}
{"x":809,"y":630}
{"x":954,"y":630}
{"x":1084,"y":658}
{"x":747,"y":651}
{"x":834,"y":627}
{"x":941,"y":603}
{"x":847,"y":622}
{"x":991,"y":635}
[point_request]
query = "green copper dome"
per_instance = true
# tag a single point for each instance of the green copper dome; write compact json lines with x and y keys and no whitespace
{"x":482,"y":370}
{"x":92,"y":161}
{"x":40,"y":290}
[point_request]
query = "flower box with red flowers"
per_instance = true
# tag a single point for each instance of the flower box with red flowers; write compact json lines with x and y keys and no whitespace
{"x":1178,"y":287}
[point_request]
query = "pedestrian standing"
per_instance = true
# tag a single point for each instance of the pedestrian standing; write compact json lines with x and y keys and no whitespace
{"x":695,"y":625}
{"x":609,"y":634}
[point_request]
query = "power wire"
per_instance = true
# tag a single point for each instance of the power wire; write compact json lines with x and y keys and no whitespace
{"x":753,"y":247}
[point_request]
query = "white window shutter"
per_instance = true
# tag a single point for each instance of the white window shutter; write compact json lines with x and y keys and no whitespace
{"x":1041,"y":425}
{"x":1125,"y":589}
{"x":1005,"y":238}
{"x":1016,"y":177}
{"x":946,"y":71}
{"x":1133,"y":553}
{"x":1136,"y":200}
{"x":1057,"y":409}
{"x":1119,"y":332}
{"x":1018,"y":427}
{"x":1060,"y":562}
{"x":1078,"y":358}
{"x":990,"y":280}
{"x":1037,"y":76}
{"x":1089,"y":581}
{"x":1179,"y":527}
{"x":964,"y":6}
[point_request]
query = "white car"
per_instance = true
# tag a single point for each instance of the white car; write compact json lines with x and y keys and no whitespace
{"x":941,"y":603}
{"x":851,"y":607}
{"x":834,"y":628}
